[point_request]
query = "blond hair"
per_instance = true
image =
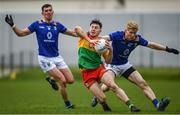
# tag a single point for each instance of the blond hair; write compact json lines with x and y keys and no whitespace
{"x":132,"y":25}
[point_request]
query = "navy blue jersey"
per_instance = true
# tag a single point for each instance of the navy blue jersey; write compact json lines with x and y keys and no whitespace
{"x":47,"y":37}
{"x":122,"y":48}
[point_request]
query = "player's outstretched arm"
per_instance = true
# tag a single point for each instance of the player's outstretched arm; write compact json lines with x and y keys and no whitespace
{"x":19,"y":32}
{"x":106,"y":37}
{"x":108,"y":54}
{"x":71,"y":33}
{"x":158,"y":46}
{"x":81,"y":33}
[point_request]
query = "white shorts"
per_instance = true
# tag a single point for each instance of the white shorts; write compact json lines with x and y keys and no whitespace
{"x":119,"y":69}
{"x":48,"y":63}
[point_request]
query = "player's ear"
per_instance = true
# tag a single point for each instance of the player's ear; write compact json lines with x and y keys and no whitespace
{"x":125,"y":30}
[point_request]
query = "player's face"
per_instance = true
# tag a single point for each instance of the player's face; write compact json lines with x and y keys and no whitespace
{"x":48,"y":13}
{"x":130,"y":34}
{"x":94,"y":30}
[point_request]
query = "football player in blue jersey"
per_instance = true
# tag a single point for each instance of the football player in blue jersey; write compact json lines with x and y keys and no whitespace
{"x":123,"y":43}
{"x":50,"y":61}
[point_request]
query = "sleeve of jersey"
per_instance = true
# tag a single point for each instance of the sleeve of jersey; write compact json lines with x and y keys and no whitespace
{"x":114,"y":35}
{"x":32,"y":27}
{"x":143,"y":41}
{"x":61,"y":27}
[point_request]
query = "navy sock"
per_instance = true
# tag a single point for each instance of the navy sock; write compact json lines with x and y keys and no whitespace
{"x":105,"y":106}
{"x":129,"y":104}
{"x":155,"y":102}
{"x":94,"y":97}
{"x":67,"y":103}
{"x":52,"y":81}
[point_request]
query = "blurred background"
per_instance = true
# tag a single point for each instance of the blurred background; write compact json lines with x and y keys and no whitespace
{"x":159,"y":21}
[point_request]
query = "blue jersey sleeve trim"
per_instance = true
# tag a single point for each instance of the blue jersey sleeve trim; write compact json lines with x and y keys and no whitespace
{"x":64,"y":30}
{"x":142,"y":41}
{"x":32,"y":27}
{"x":111,"y":37}
{"x":61,"y":27}
{"x":116,"y":35}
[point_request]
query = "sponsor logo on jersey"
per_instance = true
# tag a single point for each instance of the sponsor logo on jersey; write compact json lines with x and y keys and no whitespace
{"x":42,"y":27}
{"x":49,"y":27}
{"x":55,"y":28}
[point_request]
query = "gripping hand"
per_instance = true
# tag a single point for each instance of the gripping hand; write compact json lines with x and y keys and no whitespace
{"x":9,"y":20}
{"x":172,"y":50}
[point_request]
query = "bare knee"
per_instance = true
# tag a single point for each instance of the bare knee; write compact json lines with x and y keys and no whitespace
{"x":70,"y":81}
{"x":112,"y":86}
{"x":62,"y":82}
{"x":143,"y":84}
{"x":101,"y":98}
{"x":59,"y":78}
{"x":104,"y":88}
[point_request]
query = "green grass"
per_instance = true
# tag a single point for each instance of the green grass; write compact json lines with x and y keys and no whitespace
{"x":30,"y":93}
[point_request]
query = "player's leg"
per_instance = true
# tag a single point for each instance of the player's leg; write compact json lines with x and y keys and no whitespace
{"x":104,"y":88}
{"x":108,"y":79}
{"x":48,"y":65}
{"x":59,"y":77}
{"x":69,"y":79}
{"x":63,"y":67}
{"x":68,"y":75}
{"x":96,"y":91}
{"x":91,"y":79}
{"x":113,"y":72}
{"x":94,"y":101}
{"x":136,"y":78}
{"x":52,"y":82}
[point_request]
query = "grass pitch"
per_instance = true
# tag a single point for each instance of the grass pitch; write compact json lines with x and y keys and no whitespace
{"x":31,"y":93}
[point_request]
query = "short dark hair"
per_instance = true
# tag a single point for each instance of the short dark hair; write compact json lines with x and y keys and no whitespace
{"x":96,"y":21}
{"x":45,"y":6}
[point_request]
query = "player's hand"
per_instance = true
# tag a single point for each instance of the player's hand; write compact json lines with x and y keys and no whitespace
{"x":172,"y":50}
{"x":93,"y":43}
{"x":108,"y":45}
{"x":9,"y":20}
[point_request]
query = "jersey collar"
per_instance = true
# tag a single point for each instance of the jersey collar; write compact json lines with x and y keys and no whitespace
{"x":92,"y":38}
